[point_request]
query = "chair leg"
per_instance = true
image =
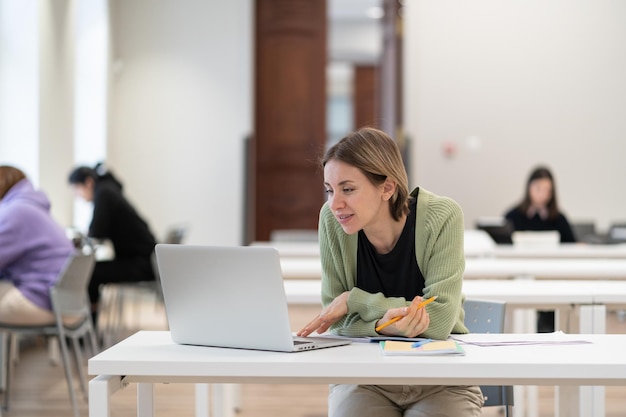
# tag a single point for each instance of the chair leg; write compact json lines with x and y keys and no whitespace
{"x":68,"y":374}
{"x":4,"y":354}
{"x":8,"y":340}
{"x":53,"y":350}
{"x":78,"y":359}
{"x":93,"y":340}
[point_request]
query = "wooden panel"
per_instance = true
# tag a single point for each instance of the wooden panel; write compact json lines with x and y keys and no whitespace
{"x":366,"y":96}
{"x":289,"y":114}
{"x":390,"y":79}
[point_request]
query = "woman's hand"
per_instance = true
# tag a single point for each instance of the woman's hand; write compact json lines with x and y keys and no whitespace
{"x":414,"y":321}
{"x":331,"y":314}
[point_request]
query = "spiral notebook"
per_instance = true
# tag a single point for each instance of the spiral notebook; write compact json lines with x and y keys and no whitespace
{"x":423,"y":348}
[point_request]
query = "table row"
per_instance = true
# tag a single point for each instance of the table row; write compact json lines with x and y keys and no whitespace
{"x":476,"y":244}
{"x":476,"y":268}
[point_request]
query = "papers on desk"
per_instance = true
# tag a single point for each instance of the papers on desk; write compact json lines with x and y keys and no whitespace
{"x":424,"y":348}
{"x":487,"y":339}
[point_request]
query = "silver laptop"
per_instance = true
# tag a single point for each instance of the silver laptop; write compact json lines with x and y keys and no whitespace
{"x":229,"y":297}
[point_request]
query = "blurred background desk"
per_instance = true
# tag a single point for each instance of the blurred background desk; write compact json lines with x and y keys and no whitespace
{"x":503,"y":268}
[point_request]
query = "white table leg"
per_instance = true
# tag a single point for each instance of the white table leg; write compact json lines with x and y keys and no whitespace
{"x":225,"y":400}
{"x":584,"y":401}
{"x":223,"y":396}
{"x":526,"y":397}
{"x":202,"y":400}
{"x":592,"y":399}
{"x":593,"y":319}
{"x":100,"y":390}
{"x":145,"y":399}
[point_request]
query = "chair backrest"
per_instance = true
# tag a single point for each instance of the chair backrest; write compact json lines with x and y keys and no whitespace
{"x":69,"y":293}
{"x":498,"y":228}
{"x":617,"y":232}
{"x":584,"y":230}
{"x":482,"y":316}
{"x":175,"y":234}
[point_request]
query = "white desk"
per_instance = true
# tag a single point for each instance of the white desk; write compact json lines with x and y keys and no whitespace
{"x":564,"y":250}
{"x":151,"y":357}
{"x":293,"y":249}
{"x":476,"y":247}
{"x":552,"y":268}
{"x":476,"y":268}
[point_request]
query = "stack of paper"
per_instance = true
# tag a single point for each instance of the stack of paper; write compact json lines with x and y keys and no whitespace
{"x":436,"y":347}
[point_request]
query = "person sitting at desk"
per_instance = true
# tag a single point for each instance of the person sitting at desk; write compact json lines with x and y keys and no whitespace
{"x":33,"y":251}
{"x":115,"y":219}
{"x":383,"y":250}
{"x":539,"y":210}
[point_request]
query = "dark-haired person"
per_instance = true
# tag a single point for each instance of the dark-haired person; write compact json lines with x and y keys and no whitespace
{"x":383,"y":250}
{"x":539,"y":210}
{"x":33,"y":250}
{"x":116,"y":220}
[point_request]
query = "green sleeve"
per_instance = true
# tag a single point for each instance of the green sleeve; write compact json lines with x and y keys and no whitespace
{"x":443,"y":265}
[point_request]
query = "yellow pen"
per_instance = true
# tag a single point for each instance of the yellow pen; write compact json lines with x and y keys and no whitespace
{"x":395,"y":319}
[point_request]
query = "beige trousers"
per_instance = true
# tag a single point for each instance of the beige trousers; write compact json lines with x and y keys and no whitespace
{"x":17,"y":309}
{"x":404,"y":401}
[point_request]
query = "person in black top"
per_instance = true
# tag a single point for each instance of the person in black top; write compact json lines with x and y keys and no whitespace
{"x":114,"y":219}
{"x":539,"y":210}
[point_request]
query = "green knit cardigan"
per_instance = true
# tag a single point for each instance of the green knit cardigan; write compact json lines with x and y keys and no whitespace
{"x":440,"y":256}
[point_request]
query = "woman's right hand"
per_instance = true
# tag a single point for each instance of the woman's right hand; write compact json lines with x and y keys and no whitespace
{"x":334,"y":312}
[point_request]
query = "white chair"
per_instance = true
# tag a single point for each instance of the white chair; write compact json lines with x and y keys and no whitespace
{"x":72,"y":312}
{"x":488,"y":317}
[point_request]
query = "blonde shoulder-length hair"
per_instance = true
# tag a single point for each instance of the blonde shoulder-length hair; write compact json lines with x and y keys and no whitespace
{"x":377,"y":155}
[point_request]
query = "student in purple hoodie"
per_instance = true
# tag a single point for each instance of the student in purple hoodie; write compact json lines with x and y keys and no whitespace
{"x":33,"y":250}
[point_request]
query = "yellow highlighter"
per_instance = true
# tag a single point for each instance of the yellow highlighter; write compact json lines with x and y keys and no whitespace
{"x":395,"y":319}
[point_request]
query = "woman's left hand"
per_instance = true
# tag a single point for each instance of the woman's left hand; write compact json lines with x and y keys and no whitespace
{"x":334,"y":312}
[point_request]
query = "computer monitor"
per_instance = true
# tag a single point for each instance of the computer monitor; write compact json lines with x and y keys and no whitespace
{"x":497,"y":227}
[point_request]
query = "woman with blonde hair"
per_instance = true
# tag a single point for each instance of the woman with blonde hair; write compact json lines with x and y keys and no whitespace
{"x":383,"y":250}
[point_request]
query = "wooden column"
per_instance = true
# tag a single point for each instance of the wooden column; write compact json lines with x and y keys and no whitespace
{"x":366,"y":97}
{"x":391,"y":71}
{"x":290,"y":122}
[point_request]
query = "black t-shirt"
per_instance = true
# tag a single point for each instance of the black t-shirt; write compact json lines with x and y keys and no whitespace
{"x":394,"y":274}
{"x":521,"y":222}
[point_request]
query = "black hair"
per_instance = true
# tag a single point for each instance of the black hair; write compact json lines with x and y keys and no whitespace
{"x":541,"y":172}
{"x":79,"y":175}
{"x":97,"y":173}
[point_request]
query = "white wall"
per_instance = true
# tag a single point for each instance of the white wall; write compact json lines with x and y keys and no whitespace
{"x":181,"y":107}
{"x":36,"y":55}
{"x":19,"y":86}
{"x":513,"y":84}
{"x":56,"y":105}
